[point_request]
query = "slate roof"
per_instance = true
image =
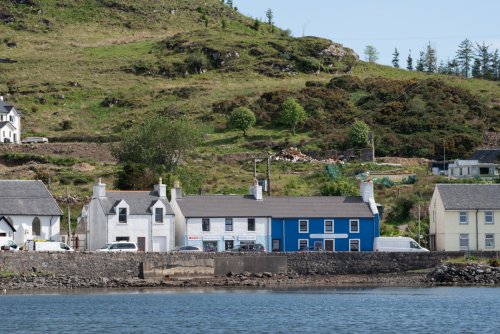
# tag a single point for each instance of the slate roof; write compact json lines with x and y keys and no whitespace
{"x":5,"y":107}
{"x":4,"y":123}
{"x":139,"y":202}
{"x":486,"y":156}
{"x":470,"y":196}
{"x":276,"y":207}
{"x":26,"y":197}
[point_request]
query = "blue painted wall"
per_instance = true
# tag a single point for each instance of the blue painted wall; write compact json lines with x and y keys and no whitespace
{"x":287,"y":231}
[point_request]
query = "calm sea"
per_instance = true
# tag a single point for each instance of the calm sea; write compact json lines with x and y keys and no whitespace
{"x":344,"y":310}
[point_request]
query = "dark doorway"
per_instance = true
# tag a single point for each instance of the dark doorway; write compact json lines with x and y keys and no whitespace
{"x":141,"y":244}
{"x":276,"y":245}
{"x":329,"y":245}
{"x":228,"y":244}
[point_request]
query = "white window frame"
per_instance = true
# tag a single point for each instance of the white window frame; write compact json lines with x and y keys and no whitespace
{"x":162,"y":215}
{"x":466,"y":217}
{"x":489,"y":214}
{"x":226,"y":221}
{"x":324,"y":226}
{"x":207,"y":219}
{"x":254,"y":225}
{"x":492,"y":239}
{"x":350,"y":226}
{"x":126,"y":215}
{"x":463,"y":236}
{"x":307,"y":243}
{"x":359,"y":245}
{"x":307,"y":225}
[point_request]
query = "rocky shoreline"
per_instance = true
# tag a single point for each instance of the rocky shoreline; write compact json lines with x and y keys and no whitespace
{"x":446,"y":274}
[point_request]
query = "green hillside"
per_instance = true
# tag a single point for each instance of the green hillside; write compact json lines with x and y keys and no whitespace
{"x":88,"y":70}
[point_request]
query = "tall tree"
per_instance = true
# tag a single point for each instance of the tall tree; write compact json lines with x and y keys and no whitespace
{"x":476,"y":69}
{"x":371,"y":54}
{"x":465,"y":56}
{"x":269,"y":16}
{"x":430,"y":59}
{"x":483,"y":54}
{"x":229,"y":3}
{"x":358,"y":134}
{"x":495,"y":65}
{"x":454,"y":67}
{"x":409,"y":62}
{"x":395,"y":58}
{"x":292,"y":113}
{"x":243,"y":119}
{"x":421,"y":62}
{"x":159,"y":143}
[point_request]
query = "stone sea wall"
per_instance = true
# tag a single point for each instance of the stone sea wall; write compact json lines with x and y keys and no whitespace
{"x":129,"y":265}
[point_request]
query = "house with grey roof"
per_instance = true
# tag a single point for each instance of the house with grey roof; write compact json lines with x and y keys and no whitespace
{"x":282,"y":224}
{"x":144,"y":217}
{"x":465,"y":217}
{"x":28,"y":211}
{"x":10,"y":123}
{"x":483,"y":163}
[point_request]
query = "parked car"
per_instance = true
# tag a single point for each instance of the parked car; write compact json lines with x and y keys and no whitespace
{"x":34,"y":140}
{"x":250,"y":248}
{"x":47,"y":246}
{"x":397,"y":244}
{"x":7,"y":243}
{"x":187,"y":249}
{"x":119,"y":246}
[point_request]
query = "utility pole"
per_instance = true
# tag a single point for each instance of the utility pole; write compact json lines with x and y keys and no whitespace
{"x":444,"y":156}
{"x":69,"y":217}
{"x":269,"y":175}
{"x":419,"y":234}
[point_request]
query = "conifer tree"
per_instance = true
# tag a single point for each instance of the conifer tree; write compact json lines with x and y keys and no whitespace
{"x":484,"y":57}
{"x":269,"y":15}
{"x":420,"y":62}
{"x":465,"y":56}
{"x":476,"y":68}
{"x":430,"y":63}
{"x":409,"y":62}
{"x":495,"y":65}
{"x":395,"y":58}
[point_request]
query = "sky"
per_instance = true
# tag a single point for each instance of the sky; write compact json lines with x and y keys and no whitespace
{"x":386,"y":24}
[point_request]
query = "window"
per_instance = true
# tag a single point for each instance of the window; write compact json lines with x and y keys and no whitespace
{"x":251,"y":224}
{"x":276,"y":245}
{"x":11,"y":118}
{"x":229,"y":224}
{"x":303,"y":244}
{"x":122,"y":215}
{"x":354,"y":245}
{"x":228,"y":244}
{"x":122,"y":239}
{"x":36,"y":227}
{"x":488,"y":217}
{"x":159,"y":215}
{"x":464,"y":241}
{"x":328,"y":226}
{"x":489,"y":240}
{"x":205,"y":225}
{"x":303,"y":226}
{"x":318,"y":245}
{"x":464,"y":217}
{"x":354,"y":226}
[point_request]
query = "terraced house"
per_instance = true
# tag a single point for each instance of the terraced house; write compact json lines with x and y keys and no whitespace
{"x":281,"y":224}
{"x":465,"y":217}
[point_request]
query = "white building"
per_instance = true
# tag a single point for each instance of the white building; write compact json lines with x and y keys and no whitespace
{"x":221,"y":222}
{"x":10,"y":123}
{"x":144,"y":217}
{"x":473,"y":168}
{"x":28,"y":211}
{"x":465,"y":217}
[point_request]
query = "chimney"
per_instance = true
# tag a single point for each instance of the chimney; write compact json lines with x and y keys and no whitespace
{"x":256,"y":190}
{"x":176,"y":191}
{"x":161,"y":189}
{"x":99,"y":190}
{"x":366,"y":190}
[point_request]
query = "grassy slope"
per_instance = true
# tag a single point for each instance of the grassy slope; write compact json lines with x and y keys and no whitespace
{"x":91,"y":43}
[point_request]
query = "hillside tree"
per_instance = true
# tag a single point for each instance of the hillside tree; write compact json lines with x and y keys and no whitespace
{"x":269,"y":16}
{"x":476,"y":69}
{"x":292,"y":114}
{"x":229,"y":3}
{"x":430,"y":63}
{"x":465,"y":56}
{"x":495,"y":65}
{"x":243,"y":119}
{"x":160,"y":143}
{"x":421,"y":62}
{"x":358,"y":134}
{"x":409,"y":62}
{"x":395,"y":58}
{"x":371,"y":54}
{"x":483,"y":54}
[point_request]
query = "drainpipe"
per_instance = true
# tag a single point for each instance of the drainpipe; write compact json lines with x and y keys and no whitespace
{"x":284,"y":243}
{"x":477,"y":230}
{"x":50,"y":228}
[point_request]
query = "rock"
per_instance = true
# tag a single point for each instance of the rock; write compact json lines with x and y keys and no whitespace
{"x":267,"y":274}
{"x":258,"y":275}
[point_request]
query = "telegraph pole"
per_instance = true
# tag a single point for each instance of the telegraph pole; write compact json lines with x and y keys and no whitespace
{"x":69,"y":216}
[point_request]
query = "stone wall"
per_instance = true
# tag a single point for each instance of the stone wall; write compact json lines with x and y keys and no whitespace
{"x":96,"y":265}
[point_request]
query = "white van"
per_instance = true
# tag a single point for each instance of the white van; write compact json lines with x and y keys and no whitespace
{"x":48,"y":246}
{"x":397,"y":244}
{"x":119,"y":246}
{"x":6,"y":243}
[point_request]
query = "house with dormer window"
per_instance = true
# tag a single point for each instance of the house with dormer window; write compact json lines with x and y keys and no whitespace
{"x":143,"y":217}
{"x":10,"y":123}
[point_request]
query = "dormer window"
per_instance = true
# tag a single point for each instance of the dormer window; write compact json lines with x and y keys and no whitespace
{"x":122,"y":215}
{"x":159,"y":215}
{"x":11,"y":118}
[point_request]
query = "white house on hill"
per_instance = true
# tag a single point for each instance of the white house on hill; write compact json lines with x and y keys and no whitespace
{"x":10,"y":123}
{"x":144,"y":217}
{"x":28,"y":211}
